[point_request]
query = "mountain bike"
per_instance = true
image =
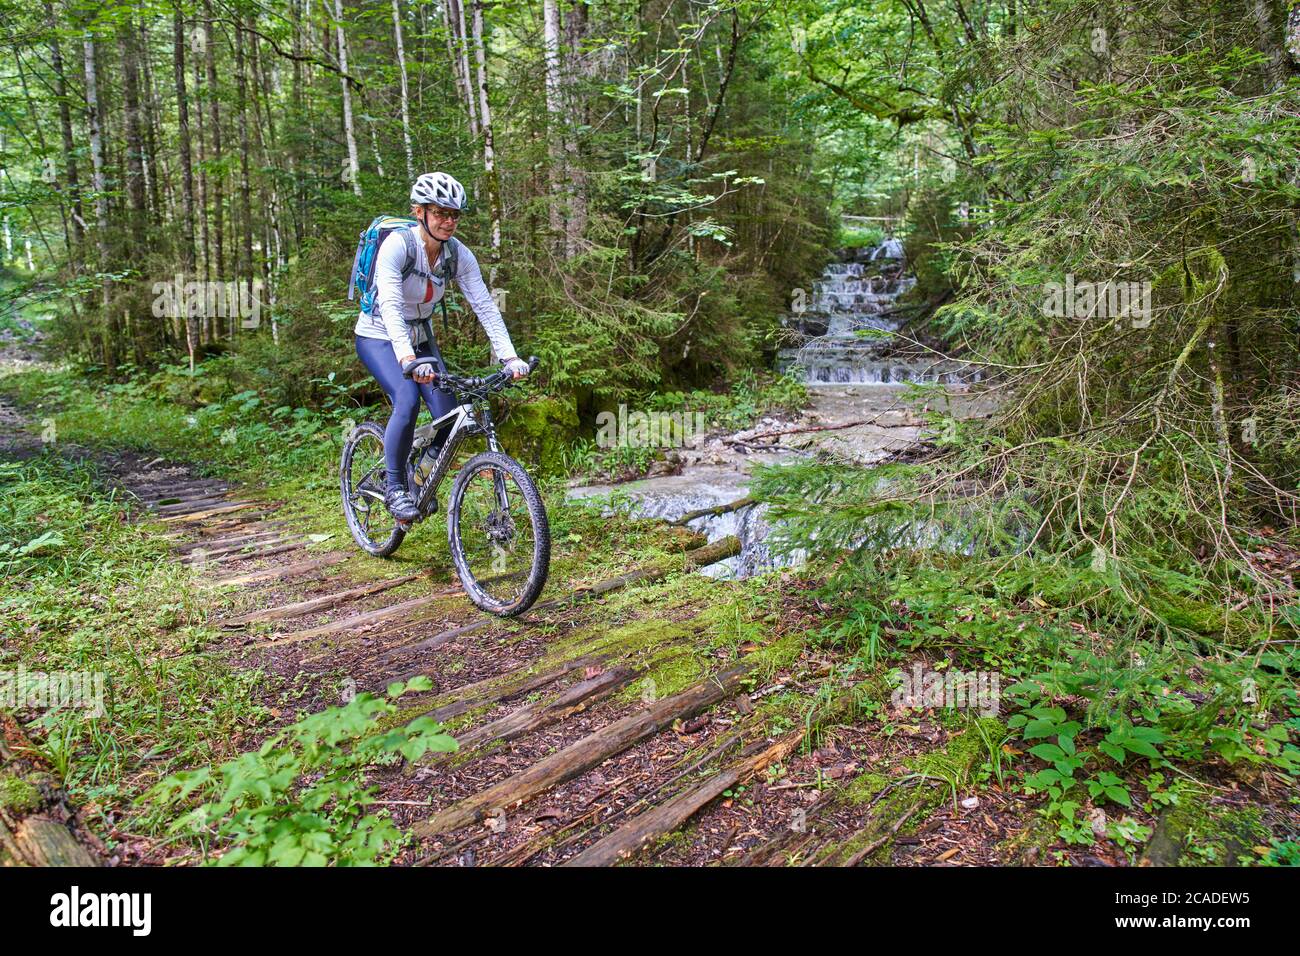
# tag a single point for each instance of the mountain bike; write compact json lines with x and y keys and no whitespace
{"x":496,"y":523}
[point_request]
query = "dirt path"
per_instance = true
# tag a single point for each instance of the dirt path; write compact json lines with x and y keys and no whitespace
{"x":570,"y":755}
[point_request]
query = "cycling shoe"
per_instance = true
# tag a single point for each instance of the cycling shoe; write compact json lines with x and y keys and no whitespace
{"x":400,"y":504}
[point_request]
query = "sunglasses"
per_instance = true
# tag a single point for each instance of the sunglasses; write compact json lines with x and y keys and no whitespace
{"x":449,"y":215}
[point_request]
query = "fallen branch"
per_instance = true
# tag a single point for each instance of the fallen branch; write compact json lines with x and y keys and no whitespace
{"x":713,"y":512}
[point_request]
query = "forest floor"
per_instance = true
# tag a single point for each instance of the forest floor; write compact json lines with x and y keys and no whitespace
{"x":672,"y":719}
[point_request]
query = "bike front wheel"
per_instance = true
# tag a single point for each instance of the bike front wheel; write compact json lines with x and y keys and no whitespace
{"x":499,"y":536}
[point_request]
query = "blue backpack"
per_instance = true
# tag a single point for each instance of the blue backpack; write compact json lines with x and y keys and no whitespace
{"x":362,"y":282}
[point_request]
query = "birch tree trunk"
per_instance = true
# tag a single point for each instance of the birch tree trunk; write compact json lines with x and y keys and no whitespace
{"x":201,"y":206}
{"x":94,"y":123}
{"x":354,"y":170}
{"x":65,"y":126}
{"x":187,"y":175}
{"x":458,"y":14}
{"x":270,"y":199}
{"x":556,"y":208}
{"x":295,"y":138}
{"x":489,"y":149}
{"x":576,"y":28}
{"x":374,"y":147}
{"x":244,"y":270}
{"x":218,"y":179}
{"x":406,"y":103}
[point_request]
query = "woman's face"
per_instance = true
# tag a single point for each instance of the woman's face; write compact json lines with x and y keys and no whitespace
{"x":439,"y":221}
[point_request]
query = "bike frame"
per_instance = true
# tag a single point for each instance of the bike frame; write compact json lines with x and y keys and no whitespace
{"x":467,"y":419}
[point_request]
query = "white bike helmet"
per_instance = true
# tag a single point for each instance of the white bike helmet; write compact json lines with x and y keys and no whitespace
{"x":439,"y":189}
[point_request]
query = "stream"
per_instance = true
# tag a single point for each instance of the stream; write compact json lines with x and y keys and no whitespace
{"x":851,"y":378}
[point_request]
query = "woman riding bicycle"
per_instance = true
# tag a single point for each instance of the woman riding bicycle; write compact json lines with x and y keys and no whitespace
{"x":397,"y":330}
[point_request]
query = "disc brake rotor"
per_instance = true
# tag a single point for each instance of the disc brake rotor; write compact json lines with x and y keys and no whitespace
{"x":500,"y":527}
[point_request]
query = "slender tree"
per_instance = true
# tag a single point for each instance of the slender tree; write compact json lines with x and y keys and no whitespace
{"x":406,"y":105}
{"x":99,"y":182}
{"x":187,"y":173}
{"x":354,"y":169}
{"x":489,"y":147}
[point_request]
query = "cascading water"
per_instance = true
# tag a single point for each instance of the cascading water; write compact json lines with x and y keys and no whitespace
{"x":852,"y":300}
{"x":848,"y":327}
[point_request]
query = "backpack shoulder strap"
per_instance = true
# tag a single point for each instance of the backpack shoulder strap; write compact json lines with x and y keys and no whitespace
{"x":409,"y":266}
{"x":450,"y":257}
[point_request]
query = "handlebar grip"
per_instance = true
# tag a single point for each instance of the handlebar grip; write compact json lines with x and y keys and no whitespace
{"x":533,"y":362}
{"x":426,"y":360}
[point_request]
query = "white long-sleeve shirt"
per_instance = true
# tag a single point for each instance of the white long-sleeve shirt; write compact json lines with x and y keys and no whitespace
{"x":398,"y":300}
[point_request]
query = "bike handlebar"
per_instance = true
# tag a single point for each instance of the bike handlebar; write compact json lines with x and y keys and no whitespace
{"x":449,"y":382}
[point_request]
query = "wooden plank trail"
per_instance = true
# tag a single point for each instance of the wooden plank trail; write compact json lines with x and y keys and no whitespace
{"x":359,"y":622}
{"x":688,"y":561}
{"x":208,"y":512}
{"x":539,"y":714}
{"x":223,"y":541}
{"x":324,"y":602}
{"x":584,"y":754}
{"x":503,"y":687}
{"x":274,"y":574}
{"x":220,"y":526}
{"x":246,"y":551}
{"x":629,"y":839}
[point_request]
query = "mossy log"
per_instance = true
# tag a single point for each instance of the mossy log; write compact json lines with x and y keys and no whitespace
{"x":38,"y":824}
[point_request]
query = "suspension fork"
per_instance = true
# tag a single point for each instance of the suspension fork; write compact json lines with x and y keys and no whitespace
{"x":498,"y":480}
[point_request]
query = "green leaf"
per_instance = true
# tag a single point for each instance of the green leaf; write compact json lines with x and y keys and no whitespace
{"x":1039,"y":728}
{"x":1048,"y":752}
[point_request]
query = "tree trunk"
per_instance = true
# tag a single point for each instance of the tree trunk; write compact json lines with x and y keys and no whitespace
{"x":157,"y":178}
{"x":556,"y":208}
{"x":489,"y":149}
{"x":293,"y":133}
{"x":244,"y":271}
{"x":354,"y":170}
{"x":456,"y":18}
{"x":576,"y":30}
{"x":200,"y":152}
{"x":406,"y":107}
{"x":187,"y":174}
{"x":41,"y":827}
{"x":65,"y":126}
{"x":94,"y":122}
{"x":272,"y":204}
{"x":218,"y":184}
{"x":135,"y":175}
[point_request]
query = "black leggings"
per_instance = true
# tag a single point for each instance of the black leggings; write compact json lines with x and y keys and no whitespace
{"x":405,"y":394}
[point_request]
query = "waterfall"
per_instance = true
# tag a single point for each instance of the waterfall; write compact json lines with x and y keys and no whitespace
{"x":845,"y":339}
{"x":848,"y":325}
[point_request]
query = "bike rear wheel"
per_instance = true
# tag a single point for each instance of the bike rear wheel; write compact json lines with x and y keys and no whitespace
{"x":362,"y":479}
{"x":498,"y":533}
